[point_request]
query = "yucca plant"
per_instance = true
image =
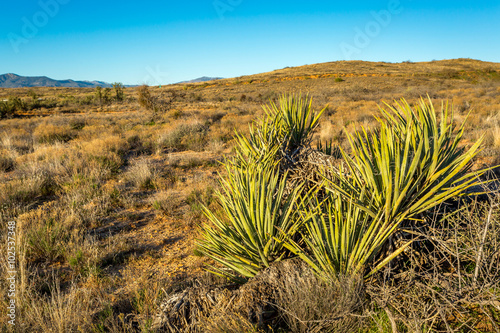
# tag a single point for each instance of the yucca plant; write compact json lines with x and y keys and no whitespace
{"x":329,"y":148}
{"x":258,"y":211}
{"x":256,"y":217}
{"x":342,"y":239}
{"x":296,"y":120}
{"x":413,"y":163}
{"x":262,"y":147}
{"x":285,"y":128}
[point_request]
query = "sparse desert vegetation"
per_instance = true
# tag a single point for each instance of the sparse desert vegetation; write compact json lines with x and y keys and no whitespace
{"x":119,"y":206}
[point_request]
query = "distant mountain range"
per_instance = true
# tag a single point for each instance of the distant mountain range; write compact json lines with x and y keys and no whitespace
{"x":16,"y":81}
{"x":202,"y":79}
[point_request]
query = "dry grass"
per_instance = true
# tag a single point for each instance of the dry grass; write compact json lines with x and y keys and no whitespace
{"x":308,"y":304}
{"x":7,"y":161}
{"x":107,"y":200}
{"x":452,"y":279}
{"x":166,"y":202}
{"x":50,"y":133}
{"x":142,"y":174}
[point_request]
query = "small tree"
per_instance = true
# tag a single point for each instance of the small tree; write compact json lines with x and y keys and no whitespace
{"x":118,"y":86}
{"x":35,"y":103}
{"x":106,"y":95}
{"x":98,"y":94}
{"x":158,"y":103}
{"x":102,"y":96}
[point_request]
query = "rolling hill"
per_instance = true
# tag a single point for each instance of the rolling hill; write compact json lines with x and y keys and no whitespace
{"x":16,"y":81}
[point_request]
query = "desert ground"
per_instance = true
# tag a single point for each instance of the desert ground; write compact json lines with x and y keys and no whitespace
{"x":107,"y":187}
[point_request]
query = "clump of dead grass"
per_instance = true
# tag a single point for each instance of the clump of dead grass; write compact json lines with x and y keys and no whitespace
{"x":186,"y":136}
{"x":166,"y":202}
{"x":309,"y":304}
{"x":108,"y":151}
{"x":7,"y":161}
{"x":143,"y":174}
{"x":50,"y":133}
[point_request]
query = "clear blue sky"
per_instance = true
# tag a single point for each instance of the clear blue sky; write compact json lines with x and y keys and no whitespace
{"x":155,"y":42}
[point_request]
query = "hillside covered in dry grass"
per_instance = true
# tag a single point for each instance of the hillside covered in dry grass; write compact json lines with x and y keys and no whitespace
{"x":107,"y":191}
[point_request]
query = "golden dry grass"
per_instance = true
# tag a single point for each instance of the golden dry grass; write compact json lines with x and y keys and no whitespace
{"x":107,"y":201}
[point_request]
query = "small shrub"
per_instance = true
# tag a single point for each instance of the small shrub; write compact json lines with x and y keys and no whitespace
{"x":118,"y":91}
{"x":166,"y":178}
{"x":106,"y":96}
{"x":142,"y":174}
{"x":7,"y":163}
{"x":194,"y":97}
{"x":86,"y":100}
{"x":198,"y":199}
{"x":98,"y":95}
{"x":166,"y":202}
{"x":32,"y":185}
{"x":102,"y":96}
{"x":9,"y":107}
{"x":86,"y":201}
{"x":159,"y":103}
{"x":50,"y":133}
{"x":309,"y":304}
{"x":45,"y":234}
{"x":6,"y":110}
{"x":177,"y":114}
{"x":35,"y":102}
{"x":77,"y":124}
{"x":17,"y":103}
{"x":108,"y":151}
{"x":258,"y":216}
{"x":84,"y":259}
{"x":191,"y":136}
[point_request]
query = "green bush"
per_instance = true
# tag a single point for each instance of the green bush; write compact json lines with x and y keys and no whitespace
{"x":46,"y":240}
{"x":118,"y":87}
{"x":256,"y":211}
{"x":411,"y":164}
{"x":11,"y":105}
{"x":392,"y":175}
{"x":259,"y":209}
{"x":279,"y":136}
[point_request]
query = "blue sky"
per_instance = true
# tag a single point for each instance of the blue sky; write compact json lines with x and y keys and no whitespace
{"x":160,"y":42}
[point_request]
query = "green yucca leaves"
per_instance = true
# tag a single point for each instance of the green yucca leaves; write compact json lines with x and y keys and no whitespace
{"x":255,"y":214}
{"x":258,"y":213}
{"x":286,"y":127}
{"x":343,"y":239}
{"x":413,"y":163}
{"x":295,"y":120}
